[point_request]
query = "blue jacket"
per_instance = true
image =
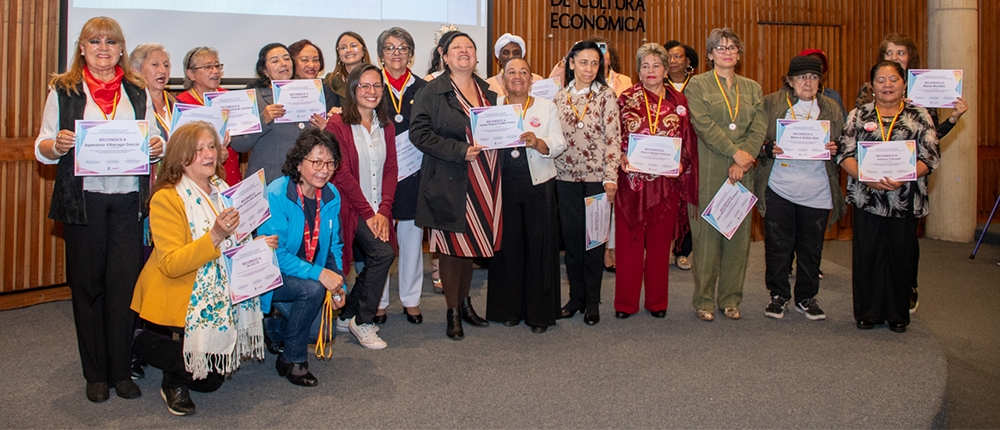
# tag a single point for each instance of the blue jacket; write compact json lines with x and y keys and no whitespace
{"x":288,"y":222}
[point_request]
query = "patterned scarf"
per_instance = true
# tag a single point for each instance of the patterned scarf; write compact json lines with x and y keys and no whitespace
{"x":217,"y":335}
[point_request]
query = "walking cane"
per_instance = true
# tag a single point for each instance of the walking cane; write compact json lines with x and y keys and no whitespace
{"x":987,"y":227}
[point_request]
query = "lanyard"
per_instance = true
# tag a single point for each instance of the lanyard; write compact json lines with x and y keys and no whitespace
{"x":165,"y":122}
{"x":200,"y":100}
{"x":649,"y":115}
{"x":579,"y":116}
{"x":524,"y":109}
{"x":881,"y":128}
{"x":729,"y":108}
{"x":311,"y":237}
{"x":792,"y":110}
{"x":397,"y":106}
{"x":683,"y":86}
{"x":114,"y":107}
{"x":208,"y":199}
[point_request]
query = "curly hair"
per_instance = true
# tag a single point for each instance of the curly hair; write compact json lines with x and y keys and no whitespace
{"x":902,"y":40}
{"x":181,"y":150}
{"x":307,"y":140}
{"x":297,"y":47}
{"x":689,"y":52}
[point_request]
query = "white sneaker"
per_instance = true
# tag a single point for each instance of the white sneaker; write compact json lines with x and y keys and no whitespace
{"x":367,"y":335}
{"x":343,"y":326}
{"x":683,"y":263}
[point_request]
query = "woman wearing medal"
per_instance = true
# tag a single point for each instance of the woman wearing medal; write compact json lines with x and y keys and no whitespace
{"x":395,"y":50}
{"x":152,"y":61}
{"x":524,"y":274}
{"x":588,"y":112}
{"x":886,"y":251}
{"x":203,"y":74}
{"x":651,"y":209}
{"x":272,"y":143}
{"x":727,"y":112}
{"x":680,"y":69}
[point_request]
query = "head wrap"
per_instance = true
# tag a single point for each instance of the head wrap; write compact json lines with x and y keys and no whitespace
{"x":506,"y":39}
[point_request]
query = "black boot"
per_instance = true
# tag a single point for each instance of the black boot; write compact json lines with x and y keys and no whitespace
{"x":469,"y":314}
{"x":455,"y":324}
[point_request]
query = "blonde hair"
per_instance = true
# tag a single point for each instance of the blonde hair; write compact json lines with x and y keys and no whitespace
{"x":141,"y":52}
{"x":99,"y":26}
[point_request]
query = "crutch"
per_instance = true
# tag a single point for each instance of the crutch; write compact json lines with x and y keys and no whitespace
{"x":987,"y":227}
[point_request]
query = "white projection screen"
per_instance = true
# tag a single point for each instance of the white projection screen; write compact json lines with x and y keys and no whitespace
{"x":239,"y":28}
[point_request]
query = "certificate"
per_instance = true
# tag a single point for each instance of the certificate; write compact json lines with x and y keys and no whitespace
{"x":249,"y":197}
{"x":244,"y":115}
{"x":408,"y":158}
{"x":185,"y":113}
{"x":729,"y":207}
{"x":934,"y":88}
{"x":895,"y":159}
{"x":546,"y":88}
{"x":802,"y":139}
{"x":111,"y":148}
{"x":598,"y":219}
{"x":656,"y":155}
{"x":301,"y":99}
{"x":252,"y":269}
{"x":497,"y":127}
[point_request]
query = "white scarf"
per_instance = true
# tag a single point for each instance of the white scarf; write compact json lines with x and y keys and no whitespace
{"x":217,"y":335}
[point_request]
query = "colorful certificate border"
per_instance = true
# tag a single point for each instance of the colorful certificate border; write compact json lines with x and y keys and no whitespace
{"x":82,"y":126}
{"x":780,"y":130}
{"x":863,"y":147}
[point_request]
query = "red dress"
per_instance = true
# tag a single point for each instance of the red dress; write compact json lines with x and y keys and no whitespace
{"x":232,"y":164}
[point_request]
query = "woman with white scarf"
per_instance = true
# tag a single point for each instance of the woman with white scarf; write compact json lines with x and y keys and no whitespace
{"x":194,"y":332}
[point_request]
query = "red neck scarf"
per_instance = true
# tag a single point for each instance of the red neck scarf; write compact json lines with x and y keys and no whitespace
{"x":105,"y":94}
{"x":398,"y":83}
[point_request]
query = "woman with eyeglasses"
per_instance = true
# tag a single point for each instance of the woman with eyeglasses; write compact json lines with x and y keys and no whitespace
{"x":395,"y":50}
{"x":796,"y":197}
{"x":727,"y":112}
{"x":203,"y":74}
{"x":886,"y":251}
{"x":351,"y":52}
{"x":268,"y":147}
{"x":367,"y":180}
{"x":683,"y":61}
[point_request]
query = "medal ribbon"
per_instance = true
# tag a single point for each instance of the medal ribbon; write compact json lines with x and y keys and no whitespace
{"x":881,"y":128}
{"x":165,"y":122}
{"x":569,"y":101}
{"x":649,"y":115}
{"x":683,"y":86}
{"x":729,"y":108}
{"x":397,"y":106}
{"x":792,"y":110}
{"x":311,"y":238}
{"x":200,"y":100}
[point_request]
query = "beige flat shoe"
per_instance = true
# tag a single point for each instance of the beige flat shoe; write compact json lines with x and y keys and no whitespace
{"x":732,"y":313}
{"x":706,"y":315}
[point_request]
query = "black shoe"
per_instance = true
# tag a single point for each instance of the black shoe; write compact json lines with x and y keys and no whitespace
{"x":414,"y":319}
{"x":273,"y":348}
{"x":591,"y":319}
{"x":566,"y":313}
{"x":865,"y":325}
{"x":127,"y":389}
{"x":98,"y":392}
{"x":294,"y":373}
{"x":469,"y":314}
{"x":379,"y":319}
{"x":137,"y":368}
{"x":178,"y":400}
{"x":659,"y":314}
{"x":610,"y":269}
{"x":622,"y":315}
{"x":511,"y":323}
{"x":898,"y":327}
{"x":454,"y":319}
{"x":538,"y":329}
{"x":776,"y":309}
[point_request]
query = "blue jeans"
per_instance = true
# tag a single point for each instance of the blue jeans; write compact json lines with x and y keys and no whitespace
{"x":306,"y":298}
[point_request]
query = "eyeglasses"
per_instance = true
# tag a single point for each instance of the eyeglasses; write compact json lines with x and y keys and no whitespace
{"x":210,"y":67}
{"x":677,"y":57}
{"x":893,"y":79}
{"x":731,"y":48}
{"x":320,"y":165}
{"x":368,"y":87}
{"x":807,"y":77}
{"x":351,"y":47}
{"x":402,"y":50}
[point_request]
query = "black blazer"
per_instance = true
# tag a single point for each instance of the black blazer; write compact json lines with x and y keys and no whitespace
{"x":438,"y":129}
{"x":404,"y":207}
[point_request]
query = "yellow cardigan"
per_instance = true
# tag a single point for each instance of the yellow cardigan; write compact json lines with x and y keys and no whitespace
{"x":163,"y":291}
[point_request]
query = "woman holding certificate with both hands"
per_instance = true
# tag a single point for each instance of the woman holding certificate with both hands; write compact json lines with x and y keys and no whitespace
{"x":651,"y":208}
{"x":886,"y":251}
{"x":796,"y":196}
{"x":203,"y":74}
{"x":727,"y":112}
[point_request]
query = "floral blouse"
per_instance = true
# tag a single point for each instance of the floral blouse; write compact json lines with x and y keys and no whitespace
{"x":914,"y":123}
{"x":592,"y":152}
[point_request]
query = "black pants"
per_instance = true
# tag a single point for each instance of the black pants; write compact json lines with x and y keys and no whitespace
{"x":163,"y":348}
{"x":792,"y":230}
{"x":584,"y":268}
{"x":524,"y":274}
{"x":685,"y":249}
{"x":886,"y":253}
{"x":103,"y":260}
{"x":377,"y":256}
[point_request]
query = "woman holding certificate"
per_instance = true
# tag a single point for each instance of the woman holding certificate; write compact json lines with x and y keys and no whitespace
{"x":878,"y":141}
{"x":367,"y":179}
{"x":524,"y":274}
{"x":193,"y":331}
{"x":395,"y":49}
{"x":101,"y":215}
{"x":588,"y":112}
{"x":727,"y":112}
{"x":459,"y":197}
{"x":276,"y":136}
{"x":351,"y":52}
{"x":798,"y":184}
{"x":203,"y":74}
{"x":152,"y":61}
{"x":653,"y":191}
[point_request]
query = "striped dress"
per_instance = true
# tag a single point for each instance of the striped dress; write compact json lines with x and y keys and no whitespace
{"x":483,"y":204}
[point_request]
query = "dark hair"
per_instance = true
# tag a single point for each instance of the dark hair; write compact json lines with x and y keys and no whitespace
{"x":443,"y":42}
{"x":307,"y":140}
{"x":886,"y":63}
{"x":452,"y":40}
{"x":689,"y":52}
{"x":261,"y":80}
{"x":341,"y":69}
{"x":902,"y":40}
{"x":580,"y":46}
{"x":350,"y":109}
{"x":616,"y":64}
{"x":297,"y":47}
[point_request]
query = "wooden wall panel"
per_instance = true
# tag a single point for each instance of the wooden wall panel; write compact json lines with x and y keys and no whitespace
{"x":989,"y":128}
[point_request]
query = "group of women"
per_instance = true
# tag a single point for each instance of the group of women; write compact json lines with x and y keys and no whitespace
{"x":336,"y":198}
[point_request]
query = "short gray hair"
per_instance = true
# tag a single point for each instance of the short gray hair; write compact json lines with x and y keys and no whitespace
{"x":716,"y":36}
{"x":139,"y":54}
{"x":399,"y":33}
{"x":189,"y":58}
{"x":651,"y":48}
